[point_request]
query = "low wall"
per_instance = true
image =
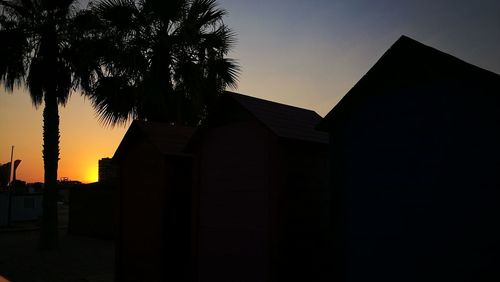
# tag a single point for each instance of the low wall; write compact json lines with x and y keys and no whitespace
{"x":23,"y":207}
{"x":4,"y":208}
{"x":91,"y":211}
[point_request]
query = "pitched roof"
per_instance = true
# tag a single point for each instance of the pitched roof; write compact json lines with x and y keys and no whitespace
{"x":407,"y":61}
{"x":167,"y":138}
{"x":283,"y":120}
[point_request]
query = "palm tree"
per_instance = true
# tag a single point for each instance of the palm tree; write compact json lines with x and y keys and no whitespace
{"x":161,"y":60}
{"x":37,"y":51}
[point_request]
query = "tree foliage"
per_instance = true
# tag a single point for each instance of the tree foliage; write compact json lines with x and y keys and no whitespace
{"x":160,"y":60}
{"x":39,"y":41}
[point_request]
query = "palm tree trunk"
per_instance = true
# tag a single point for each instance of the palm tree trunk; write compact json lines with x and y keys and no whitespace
{"x":49,"y":230}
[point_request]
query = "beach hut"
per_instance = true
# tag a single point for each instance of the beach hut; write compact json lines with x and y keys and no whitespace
{"x":415,"y":169}
{"x":154,"y":200}
{"x":262,"y":210}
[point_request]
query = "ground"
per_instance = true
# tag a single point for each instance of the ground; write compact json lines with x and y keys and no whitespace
{"x":77,"y":258}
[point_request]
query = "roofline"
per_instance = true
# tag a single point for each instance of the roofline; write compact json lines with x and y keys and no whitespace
{"x":138,"y":124}
{"x":269,"y":101}
{"x":129,"y":131}
{"x":267,"y":126}
{"x":324,"y":124}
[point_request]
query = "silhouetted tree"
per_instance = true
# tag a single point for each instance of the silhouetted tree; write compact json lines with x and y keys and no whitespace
{"x":37,"y":40}
{"x":161,"y":60}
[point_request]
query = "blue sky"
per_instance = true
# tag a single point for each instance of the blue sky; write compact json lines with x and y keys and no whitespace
{"x":310,"y":53}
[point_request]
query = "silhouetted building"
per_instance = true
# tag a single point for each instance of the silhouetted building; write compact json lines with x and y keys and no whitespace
{"x":262,"y":190}
{"x":107,"y":170}
{"x":244,"y":198}
{"x":415,"y":152}
{"x":154,"y":238}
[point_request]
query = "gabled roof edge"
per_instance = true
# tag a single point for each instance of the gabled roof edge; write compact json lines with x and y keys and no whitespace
{"x":400,"y":43}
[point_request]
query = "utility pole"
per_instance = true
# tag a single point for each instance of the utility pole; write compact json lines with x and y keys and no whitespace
{"x":10,"y":189}
{"x":11,"y":166}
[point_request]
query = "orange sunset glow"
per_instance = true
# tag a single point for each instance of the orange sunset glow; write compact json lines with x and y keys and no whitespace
{"x":304,"y":55}
{"x":83,"y":140}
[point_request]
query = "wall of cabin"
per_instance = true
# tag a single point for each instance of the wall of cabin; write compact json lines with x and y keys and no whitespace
{"x":140,"y":246}
{"x":306,"y":240}
{"x":415,"y":177}
{"x":234,"y":203}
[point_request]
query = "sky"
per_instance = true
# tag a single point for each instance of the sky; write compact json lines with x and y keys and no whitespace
{"x":305,"y":53}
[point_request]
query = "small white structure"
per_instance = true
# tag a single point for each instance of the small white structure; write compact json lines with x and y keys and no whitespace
{"x":23,"y":207}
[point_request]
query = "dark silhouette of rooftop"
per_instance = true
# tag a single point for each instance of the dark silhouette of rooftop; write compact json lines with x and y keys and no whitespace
{"x":409,"y":61}
{"x":167,"y":138}
{"x":284,"y":120}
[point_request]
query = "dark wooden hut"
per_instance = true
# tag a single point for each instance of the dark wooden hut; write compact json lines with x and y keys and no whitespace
{"x":154,"y":227}
{"x":415,"y":154}
{"x":262,"y":193}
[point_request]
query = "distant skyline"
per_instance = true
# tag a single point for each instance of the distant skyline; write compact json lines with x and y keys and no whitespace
{"x":302,"y":53}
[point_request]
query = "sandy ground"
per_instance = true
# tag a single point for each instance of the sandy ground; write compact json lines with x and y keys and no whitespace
{"x":77,"y":258}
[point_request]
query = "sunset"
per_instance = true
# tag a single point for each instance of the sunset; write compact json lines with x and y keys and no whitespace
{"x":282,"y":140}
{"x":290,"y":52}
{"x":83,"y":140}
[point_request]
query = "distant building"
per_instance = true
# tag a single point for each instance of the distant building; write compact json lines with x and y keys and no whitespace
{"x":107,"y":171}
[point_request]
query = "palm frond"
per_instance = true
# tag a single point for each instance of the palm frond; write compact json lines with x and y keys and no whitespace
{"x":164,"y":58}
{"x":114,"y":101}
{"x":227,"y":70}
{"x":166,"y":11}
{"x":204,"y":13}
{"x":18,"y":8}
{"x":13,"y":52}
{"x":63,"y":82}
{"x":222,"y":40}
{"x":118,"y":13}
{"x":35,"y":81}
{"x":84,"y":62}
{"x":61,"y":8}
{"x":63,"y":5}
{"x":85,"y":23}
